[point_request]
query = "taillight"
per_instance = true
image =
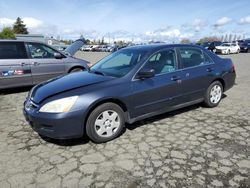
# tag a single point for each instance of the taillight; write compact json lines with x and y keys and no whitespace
{"x":233,"y":68}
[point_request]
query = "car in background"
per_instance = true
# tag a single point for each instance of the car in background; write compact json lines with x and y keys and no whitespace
{"x":228,"y":48}
{"x":212,"y":46}
{"x":86,"y":48}
{"x":60,"y":47}
{"x":131,"y":84}
{"x":245,"y":46}
{"x":206,"y":45}
{"x":25,"y":63}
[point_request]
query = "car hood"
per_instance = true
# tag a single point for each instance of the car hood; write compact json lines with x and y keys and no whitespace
{"x":75,"y":46}
{"x":65,"y":83}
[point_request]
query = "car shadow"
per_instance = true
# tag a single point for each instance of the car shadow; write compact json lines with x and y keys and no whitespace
{"x":15,"y":90}
{"x":67,"y":142}
{"x":85,"y":139}
{"x":166,"y":115}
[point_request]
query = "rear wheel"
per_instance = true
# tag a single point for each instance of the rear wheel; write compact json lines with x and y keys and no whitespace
{"x":105,"y":123}
{"x":213,"y":94}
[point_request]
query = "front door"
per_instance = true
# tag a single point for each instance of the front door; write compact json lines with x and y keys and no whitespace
{"x":161,"y":91}
{"x":44,"y":65}
{"x":14,"y":65}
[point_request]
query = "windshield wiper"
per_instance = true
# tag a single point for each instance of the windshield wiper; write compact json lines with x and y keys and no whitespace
{"x":97,"y":72}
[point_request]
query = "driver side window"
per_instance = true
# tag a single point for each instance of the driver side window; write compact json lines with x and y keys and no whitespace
{"x":162,"y":62}
{"x":40,"y":51}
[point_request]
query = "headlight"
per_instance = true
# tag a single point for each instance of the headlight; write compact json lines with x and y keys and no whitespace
{"x":59,"y":106}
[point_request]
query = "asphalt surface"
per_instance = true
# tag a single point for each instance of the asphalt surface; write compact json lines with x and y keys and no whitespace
{"x":192,"y":147}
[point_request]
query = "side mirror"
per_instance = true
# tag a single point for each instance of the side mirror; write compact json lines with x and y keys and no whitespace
{"x":148,"y":73}
{"x":58,"y":56}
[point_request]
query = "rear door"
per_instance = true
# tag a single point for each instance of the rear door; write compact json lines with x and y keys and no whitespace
{"x":198,"y":72}
{"x":44,"y":65}
{"x":14,"y":65}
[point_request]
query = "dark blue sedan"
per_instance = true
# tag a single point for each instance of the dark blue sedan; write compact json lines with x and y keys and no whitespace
{"x":129,"y":85}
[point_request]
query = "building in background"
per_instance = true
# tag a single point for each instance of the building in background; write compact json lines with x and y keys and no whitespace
{"x":39,"y":38}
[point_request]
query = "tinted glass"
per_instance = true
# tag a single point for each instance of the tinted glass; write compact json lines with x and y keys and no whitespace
{"x":191,"y":57}
{"x":119,"y":63}
{"x":12,"y":50}
{"x":40,"y":51}
{"x":162,"y":62}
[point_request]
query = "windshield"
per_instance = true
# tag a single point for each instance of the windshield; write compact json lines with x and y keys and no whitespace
{"x":118,"y":64}
{"x":225,"y":45}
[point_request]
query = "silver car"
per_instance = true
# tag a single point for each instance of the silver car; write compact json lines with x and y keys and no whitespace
{"x":24,"y":63}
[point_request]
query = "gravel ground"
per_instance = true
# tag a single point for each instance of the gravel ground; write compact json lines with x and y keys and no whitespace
{"x":92,"y":57}
{"x":192,"y":147}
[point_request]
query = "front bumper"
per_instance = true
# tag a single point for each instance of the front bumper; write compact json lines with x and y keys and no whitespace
{"x":244,"y":49}
{"x":56,"y":125}
{"x":219,"y":51}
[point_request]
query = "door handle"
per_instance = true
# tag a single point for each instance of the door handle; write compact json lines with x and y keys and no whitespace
{"x":35,"y":63}
{"x":23,"y":64}
{"x":209,"y":69}
{"x":175,"y":78}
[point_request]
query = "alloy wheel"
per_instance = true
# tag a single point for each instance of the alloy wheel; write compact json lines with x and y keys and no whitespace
{"x":215,"y":94}
{"x":107,"y":123}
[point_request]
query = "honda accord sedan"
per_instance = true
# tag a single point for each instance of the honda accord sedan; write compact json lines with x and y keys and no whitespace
{"x":129,"y":85}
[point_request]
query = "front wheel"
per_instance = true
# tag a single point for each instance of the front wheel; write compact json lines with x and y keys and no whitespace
{"x":213,"y":94}
{"x":105,"y":123}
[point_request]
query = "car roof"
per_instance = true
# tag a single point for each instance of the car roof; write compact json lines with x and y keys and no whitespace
{"x":156,"y":47}
{"x":14,"y":40}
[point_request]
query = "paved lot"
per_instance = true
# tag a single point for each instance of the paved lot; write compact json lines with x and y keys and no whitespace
{"x":193,"y":147}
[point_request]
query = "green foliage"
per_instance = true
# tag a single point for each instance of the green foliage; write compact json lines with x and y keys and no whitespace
{"x":7,"y":33}
{"x":19,"y":27}
{"x":208,"y":39}
{"x":185,"y":41}
{"x":67,"y":42}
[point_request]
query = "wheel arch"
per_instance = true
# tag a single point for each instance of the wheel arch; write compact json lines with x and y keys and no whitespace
{"x":221,"y":81}
{"x":76,"y":67}
{"x":116,"y":101}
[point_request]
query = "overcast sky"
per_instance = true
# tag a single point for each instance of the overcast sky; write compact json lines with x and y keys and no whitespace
{"x":130,"y":19}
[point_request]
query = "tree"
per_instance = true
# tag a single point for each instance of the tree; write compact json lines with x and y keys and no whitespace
{"x":7,"y":33}
{"x":19,"y":27}
{"x":208,"y":39}
{"x":185,"y":41}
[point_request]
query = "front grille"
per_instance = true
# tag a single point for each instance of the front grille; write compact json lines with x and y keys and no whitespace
{"x":30,"y":106}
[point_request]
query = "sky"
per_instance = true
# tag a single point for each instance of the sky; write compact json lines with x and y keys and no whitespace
{"x":136,"y":20}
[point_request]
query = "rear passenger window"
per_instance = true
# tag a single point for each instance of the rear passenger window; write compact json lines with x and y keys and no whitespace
{"x":12,"y":50}
{"x":193,"y":57}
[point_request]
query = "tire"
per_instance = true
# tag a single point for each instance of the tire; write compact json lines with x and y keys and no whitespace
{"x":212,"y":100}
{"x":228,"y":52}
{"x":102,"y":129}
{"x":238,"y":51}
{"x":76,"y":70}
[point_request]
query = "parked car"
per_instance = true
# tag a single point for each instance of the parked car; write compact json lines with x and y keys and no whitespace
{"x":245,"y":46}
{"x":24,"y":63}
{"x":228,"y":48}
{"x":129,"y":85}
{"x":112,"y":48}
{"x":205,"y":45}
{"x":95,"y":48}
{"x":102,"y":48}
{"x":212,"y":46}
{"x":86,"y":48}
{"x":60,"y":47}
